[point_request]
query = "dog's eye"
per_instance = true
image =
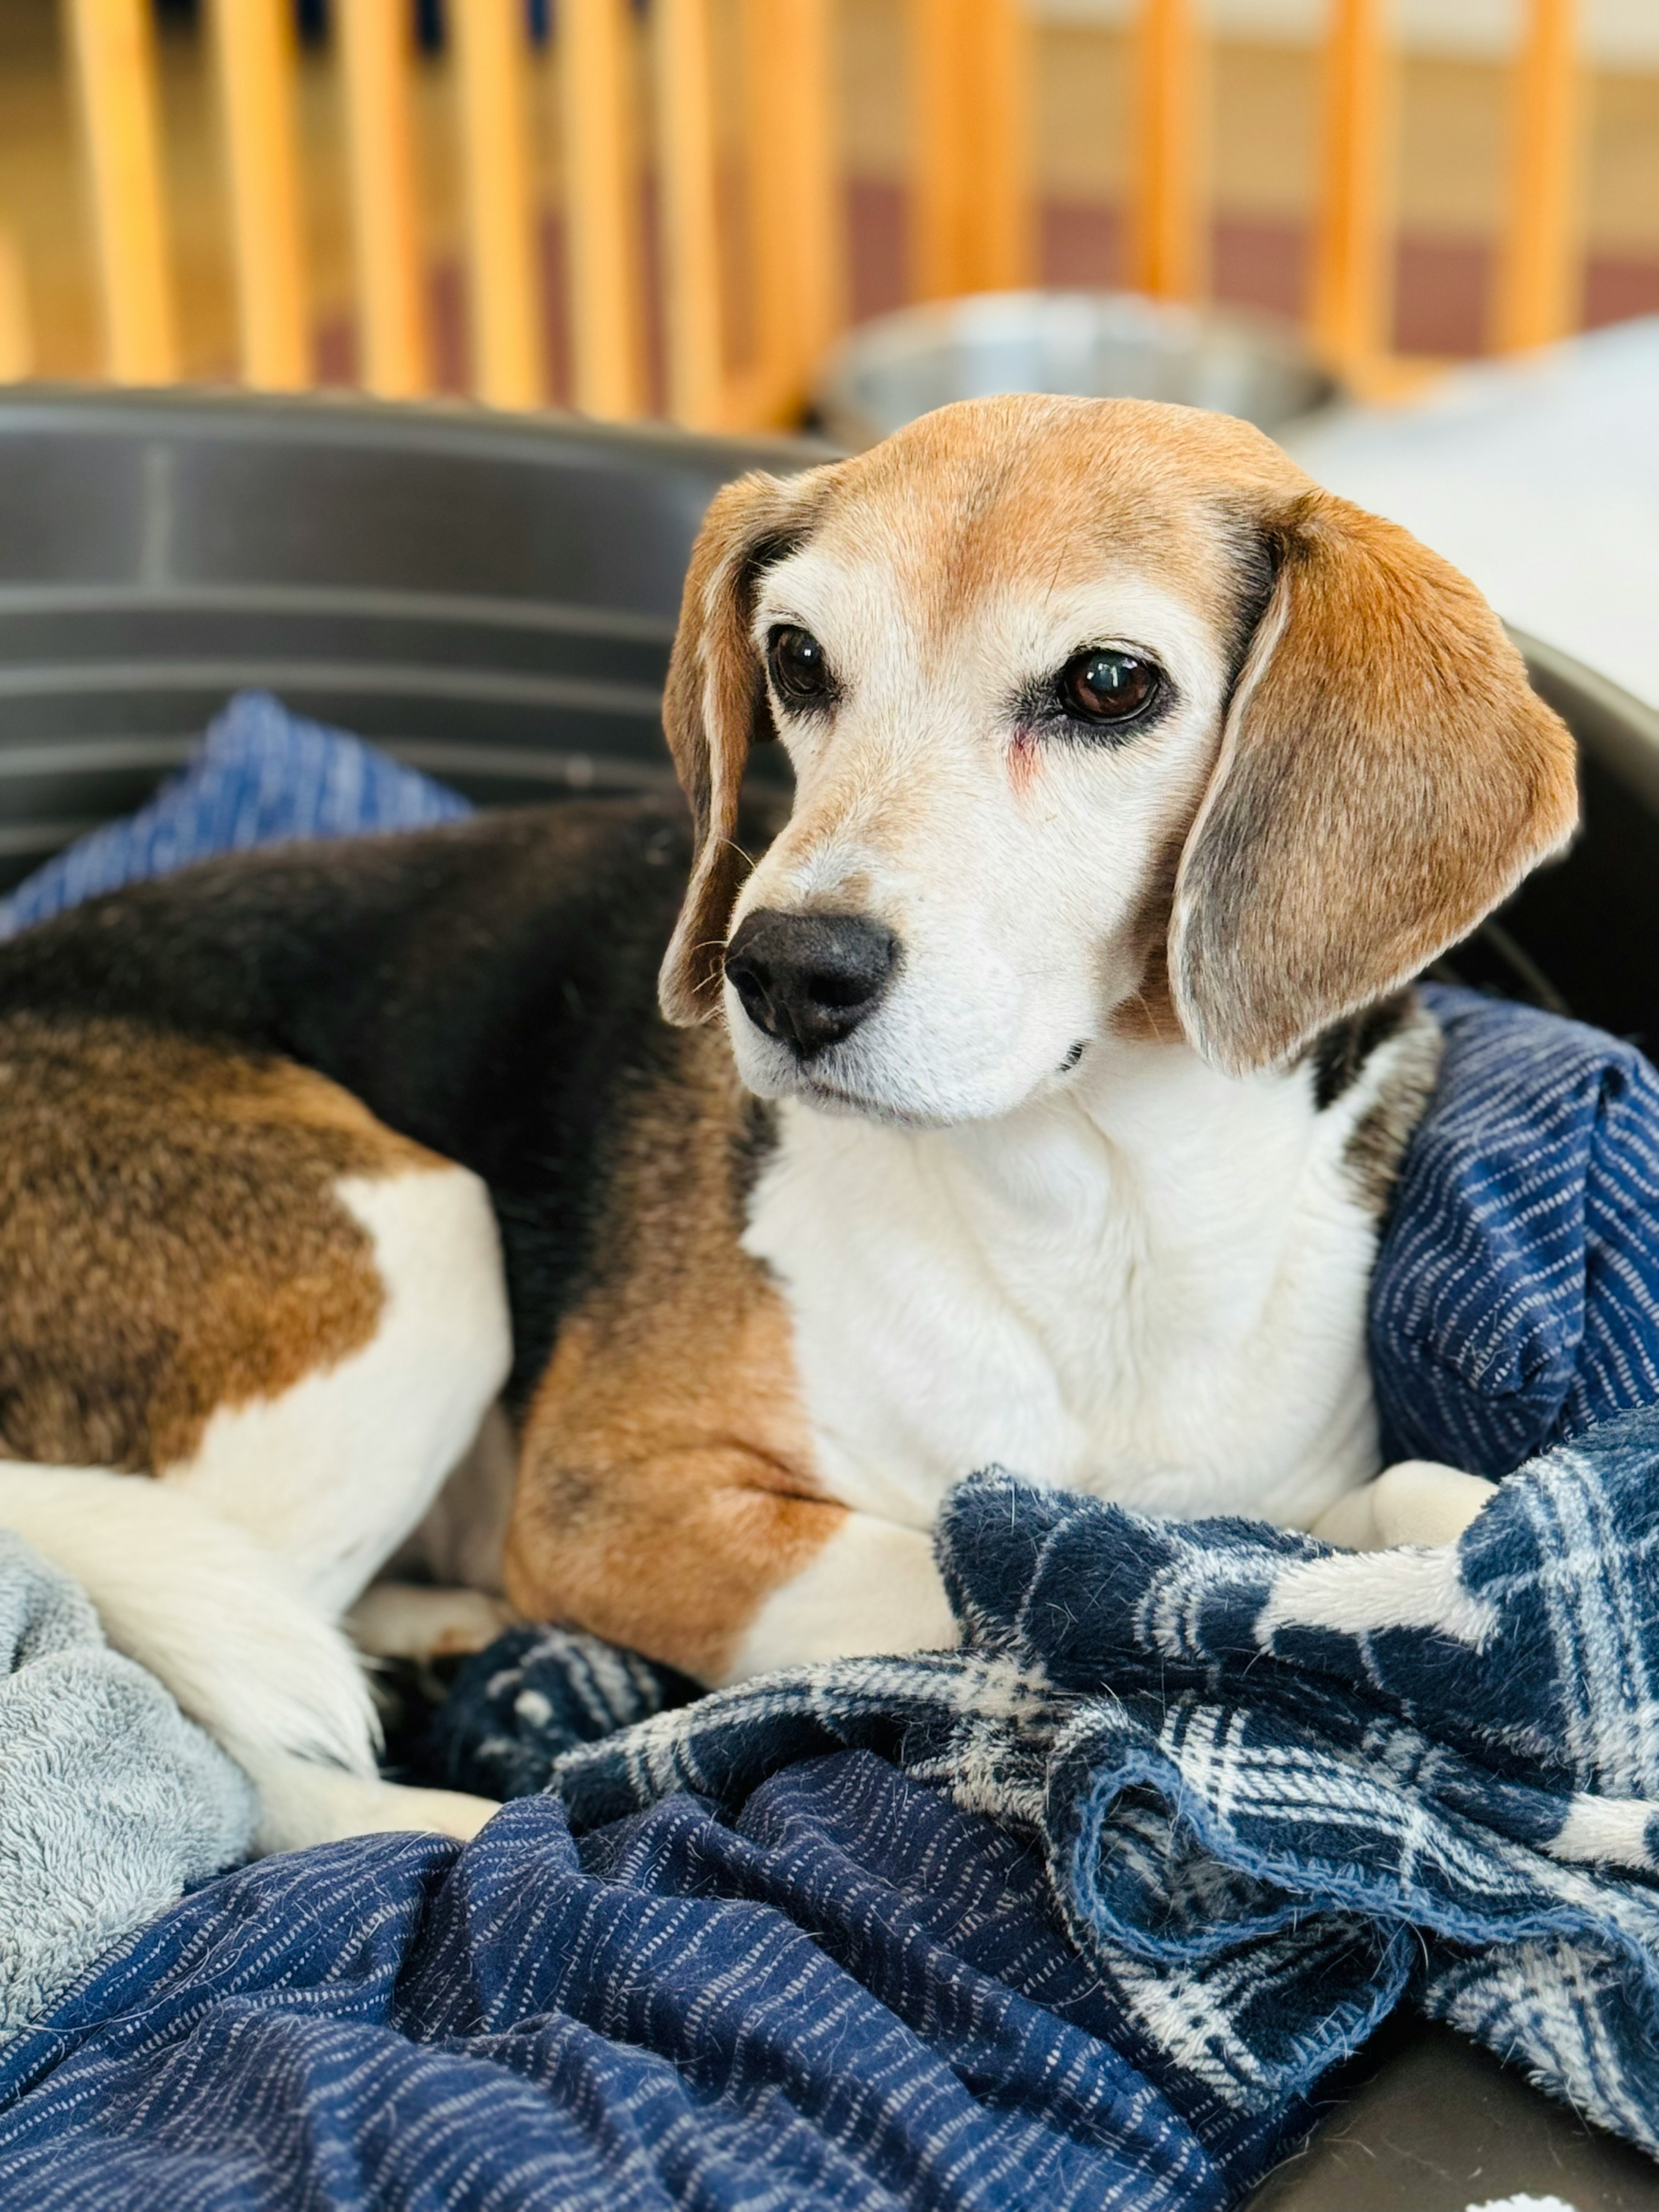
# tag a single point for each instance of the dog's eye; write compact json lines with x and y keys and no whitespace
{"x":800,"y":669}
{"x":1106,"y":684}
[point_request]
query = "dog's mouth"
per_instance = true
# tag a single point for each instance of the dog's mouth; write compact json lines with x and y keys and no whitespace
{"x":896,"y":1085}
{"x":833,"y":1098}
{"x":861,"y":1093}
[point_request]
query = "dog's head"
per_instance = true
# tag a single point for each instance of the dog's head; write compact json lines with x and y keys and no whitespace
{"x":1104,"y":719}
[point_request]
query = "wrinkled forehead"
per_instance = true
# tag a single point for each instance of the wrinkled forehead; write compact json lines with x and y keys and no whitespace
{"x":1003,"y":500}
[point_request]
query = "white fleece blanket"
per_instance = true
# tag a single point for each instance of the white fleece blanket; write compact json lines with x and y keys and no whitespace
{"x":111,"y":1802}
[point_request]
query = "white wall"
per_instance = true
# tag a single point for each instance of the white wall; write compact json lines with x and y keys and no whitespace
{"x":1617,"y":33}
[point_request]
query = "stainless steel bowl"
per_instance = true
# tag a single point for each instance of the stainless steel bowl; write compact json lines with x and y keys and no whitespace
{"x":1096,"y":344}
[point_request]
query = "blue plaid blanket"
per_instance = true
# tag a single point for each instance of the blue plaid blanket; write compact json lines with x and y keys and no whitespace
{"x":1078,"y":1915}
{"x":1277,"y":1788}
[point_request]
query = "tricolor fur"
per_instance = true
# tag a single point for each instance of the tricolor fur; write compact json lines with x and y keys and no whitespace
{"x":1035,"y":1098}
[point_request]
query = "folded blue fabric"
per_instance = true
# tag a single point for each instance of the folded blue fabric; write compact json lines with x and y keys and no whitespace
{"x":1274,"y":1789}
{"x":851,"y":1995}
{"x":263,"y":776}
{"x":1515,"y":1298}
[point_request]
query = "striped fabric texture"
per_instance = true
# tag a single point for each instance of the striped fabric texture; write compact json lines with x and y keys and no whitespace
{"x":1516,"y":1297}
{"x":849,"y":1993}
{"x":262,"y":776}
{"x":1078,"y":1915}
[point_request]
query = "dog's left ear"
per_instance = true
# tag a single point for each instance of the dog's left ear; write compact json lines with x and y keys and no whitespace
{"x":1386,"y":777}
{"x":713,"y":698}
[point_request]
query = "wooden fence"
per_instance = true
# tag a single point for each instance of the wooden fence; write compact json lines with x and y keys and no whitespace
{"x":643,"y":98}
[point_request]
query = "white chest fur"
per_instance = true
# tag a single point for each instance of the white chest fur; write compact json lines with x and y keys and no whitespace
{"x":1150,"y":1286}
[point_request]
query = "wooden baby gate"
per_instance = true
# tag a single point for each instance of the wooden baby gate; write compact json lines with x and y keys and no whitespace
{"x":627,"y":115}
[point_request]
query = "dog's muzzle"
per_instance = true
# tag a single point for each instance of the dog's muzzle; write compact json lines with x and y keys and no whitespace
{"x":809,"y":979}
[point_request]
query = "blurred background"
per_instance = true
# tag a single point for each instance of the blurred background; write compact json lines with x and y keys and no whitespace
{"x":1416,"y":182}
{"x":747,"y":214}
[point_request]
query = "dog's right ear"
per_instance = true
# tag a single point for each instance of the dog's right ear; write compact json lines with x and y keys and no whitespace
{"x":1386,"y":776}
{"x":715,"y":698}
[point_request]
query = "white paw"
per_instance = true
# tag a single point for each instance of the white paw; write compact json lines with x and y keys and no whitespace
{"x":1416,"y":1501}
{"x":302,"y":1803}
{"x":447,"y":1812}
{"x":408,"y":1620}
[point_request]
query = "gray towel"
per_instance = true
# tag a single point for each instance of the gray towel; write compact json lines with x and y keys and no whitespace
{"x":110,"y":1800}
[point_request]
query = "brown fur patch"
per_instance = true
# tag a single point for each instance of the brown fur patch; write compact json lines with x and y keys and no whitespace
{"x":1025,"y":490}
{"x":666,"y":1484}
{"x":170,"y":1241}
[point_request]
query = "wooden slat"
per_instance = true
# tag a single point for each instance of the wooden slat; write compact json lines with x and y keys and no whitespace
{"x":254,"y":42}
{"x":598,"y":91}
{"x":1540,"y":278}
{"x":503,"y":287}
{"x":115,"y":70}
{"x":972,"y":225}
{"x":687,"y":185}
{"x":940,"y":153}
{"x":1166,"y":254}
{"x":797,"y":220}
{"x":999,"y":249}
{"x":16,"y":329}
{"x":1352,"y":307}
{"x":391,"y":308}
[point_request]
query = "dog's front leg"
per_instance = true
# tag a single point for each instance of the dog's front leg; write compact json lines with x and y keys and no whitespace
{"x":873,"y":1587}
{"x":695,"y":1555}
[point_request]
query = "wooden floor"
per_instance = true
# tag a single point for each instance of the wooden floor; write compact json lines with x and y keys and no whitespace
{"x":1262,"y":152}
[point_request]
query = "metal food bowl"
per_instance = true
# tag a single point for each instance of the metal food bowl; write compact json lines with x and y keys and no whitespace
{"x":1095,"y":344}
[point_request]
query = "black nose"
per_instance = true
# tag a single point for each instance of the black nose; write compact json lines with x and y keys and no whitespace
{"x":809,"y":979}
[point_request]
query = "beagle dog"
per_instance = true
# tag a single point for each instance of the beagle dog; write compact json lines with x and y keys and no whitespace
{"x":1032,"y":1095}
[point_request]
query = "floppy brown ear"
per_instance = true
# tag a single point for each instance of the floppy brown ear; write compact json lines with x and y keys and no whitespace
{"x":1386,"y":777}
{"x":714,"y":695}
